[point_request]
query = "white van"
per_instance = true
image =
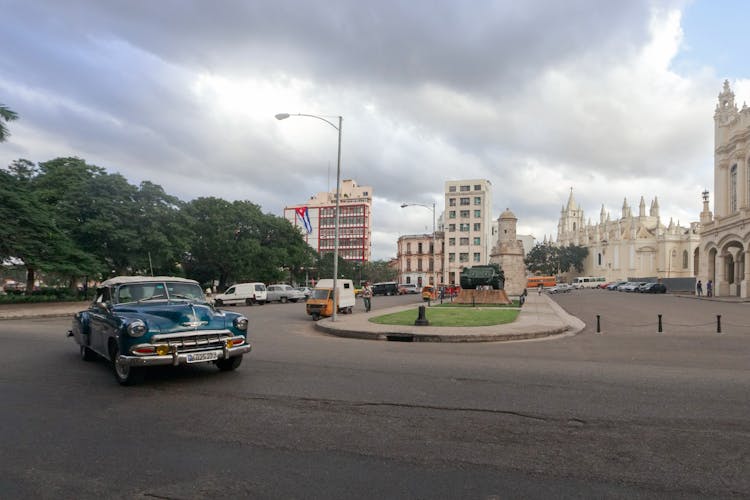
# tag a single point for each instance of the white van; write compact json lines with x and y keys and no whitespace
{"x":242,"y":293}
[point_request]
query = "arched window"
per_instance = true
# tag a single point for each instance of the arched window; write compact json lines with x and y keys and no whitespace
{"x":685,"y":259}
{"x":733,"y":189}
{"x":599,"y":258}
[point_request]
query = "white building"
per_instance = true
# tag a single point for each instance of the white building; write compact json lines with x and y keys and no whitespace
{"x":636,"y":245}
{"x":468,"y":226}
{"x":725,"y":234}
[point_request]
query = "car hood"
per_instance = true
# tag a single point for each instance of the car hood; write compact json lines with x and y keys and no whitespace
{"x":169,"y":317}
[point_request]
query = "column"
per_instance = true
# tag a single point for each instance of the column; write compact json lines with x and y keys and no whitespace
{"x":745,"y":274}
{"x":721,"y":286}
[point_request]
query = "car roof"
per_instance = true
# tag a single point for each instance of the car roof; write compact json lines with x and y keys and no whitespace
{"x":120,"y":280}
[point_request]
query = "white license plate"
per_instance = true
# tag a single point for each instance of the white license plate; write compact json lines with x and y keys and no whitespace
{"x":200,"y":357}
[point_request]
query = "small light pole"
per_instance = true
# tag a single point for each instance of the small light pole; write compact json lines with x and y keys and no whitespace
{"x":284,"y":116}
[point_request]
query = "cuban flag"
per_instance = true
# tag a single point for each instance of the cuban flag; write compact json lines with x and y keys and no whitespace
{"x":304,"y":215}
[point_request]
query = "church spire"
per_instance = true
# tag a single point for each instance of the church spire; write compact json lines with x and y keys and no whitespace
{"x":642,"y":208}
{"x":571,"y":201}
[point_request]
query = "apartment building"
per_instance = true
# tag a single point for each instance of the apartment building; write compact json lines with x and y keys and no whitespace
{"x":416,"y":261}
{"x":355,"y":221}
{"x":468,"y":226}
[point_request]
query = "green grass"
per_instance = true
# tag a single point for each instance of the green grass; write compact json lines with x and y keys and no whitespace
{"x":451,"y":316}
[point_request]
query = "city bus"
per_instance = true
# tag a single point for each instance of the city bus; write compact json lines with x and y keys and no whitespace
{"x":545,"y":281}
{"x":588,"y":281}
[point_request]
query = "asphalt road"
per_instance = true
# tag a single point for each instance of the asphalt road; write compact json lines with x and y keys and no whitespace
{"x":628,"y":413}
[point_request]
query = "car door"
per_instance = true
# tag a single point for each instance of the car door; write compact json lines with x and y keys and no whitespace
{"x":102,"y":323}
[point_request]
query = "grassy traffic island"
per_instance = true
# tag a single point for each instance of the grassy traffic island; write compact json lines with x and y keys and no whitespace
{"x":454,"y":315}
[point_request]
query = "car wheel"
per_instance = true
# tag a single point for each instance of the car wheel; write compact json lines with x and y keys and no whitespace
{"x":315,"y":317}
{"x":87,"y":354}
{"x":261,"y":302}
{"x":218,"y":302}
{"x":229,"y":364}
{"x":349,"y":310}
{"x":124,"y":374}
{"x":282,"y":300}
{"x":248,"y":302}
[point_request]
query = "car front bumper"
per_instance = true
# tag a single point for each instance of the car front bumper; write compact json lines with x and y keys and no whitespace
{"x":180,"y":358}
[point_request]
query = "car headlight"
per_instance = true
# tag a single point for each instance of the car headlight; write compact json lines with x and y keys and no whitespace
{"x":240,"y":323}
{"x":137,"y":328}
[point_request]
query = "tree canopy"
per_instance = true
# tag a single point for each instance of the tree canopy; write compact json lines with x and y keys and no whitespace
{"x":548,"y":259}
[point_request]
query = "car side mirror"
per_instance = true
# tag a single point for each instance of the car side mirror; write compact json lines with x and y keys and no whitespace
{"x":103,"y":306}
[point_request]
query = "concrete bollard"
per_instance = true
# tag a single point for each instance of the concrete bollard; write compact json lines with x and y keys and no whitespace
{"x":660,"y":330}
{"x":422,"y":318}
{"x":718,"y":323}
{"x":598,"y":324}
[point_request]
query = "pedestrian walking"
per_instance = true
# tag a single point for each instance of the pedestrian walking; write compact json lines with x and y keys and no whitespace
{"x":709,"y":288}
{"x":367,"y":296}
{"x":540,"y":288}
{"x":699,"y":288}
{"x":523,"y":296}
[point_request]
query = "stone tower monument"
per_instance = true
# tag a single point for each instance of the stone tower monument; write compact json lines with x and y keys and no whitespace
{"x":508,"y":252}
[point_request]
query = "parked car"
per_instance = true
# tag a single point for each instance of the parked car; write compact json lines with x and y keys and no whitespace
{"x":654,"y":288}
{"x":385,"y":288}
{"x":631,"y":286}
{"x":615,"y":285}
{"x":242,"y":293}
{"x":407,"y":288}
{"x":283,"y":293}
{"x":139,"y":321}
{"x":305,"y":291}
{"x":560,"y":288}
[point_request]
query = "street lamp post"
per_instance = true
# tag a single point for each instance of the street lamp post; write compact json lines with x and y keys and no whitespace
{"x":284,"y":116}
{"x":434,"y":264}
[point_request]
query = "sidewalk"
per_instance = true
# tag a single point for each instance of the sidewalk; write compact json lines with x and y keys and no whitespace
{"x":41,"y":310}
{"x":540,"y":317}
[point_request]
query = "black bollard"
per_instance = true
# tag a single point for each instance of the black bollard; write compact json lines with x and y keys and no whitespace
{"x":598,"y":326}
{"x":422,"y":318}
{"x":659,"y":324}
{"x":718,"y":323}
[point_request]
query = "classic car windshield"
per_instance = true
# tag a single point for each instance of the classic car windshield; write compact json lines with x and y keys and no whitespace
{"x":135,"y":292}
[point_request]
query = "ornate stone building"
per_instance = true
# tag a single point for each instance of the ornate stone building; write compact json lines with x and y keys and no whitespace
{"x":725,"y":235}
{"x":509,"y":253}
{"x":636,"y":245}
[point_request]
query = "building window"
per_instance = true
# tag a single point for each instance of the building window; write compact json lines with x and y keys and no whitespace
{"x":463,"y":257}
{"x":684,"y":259}
{"x":464,"y":214}
{"x":464,"y":227}
{"x":452,"y":202}
{"x":408,"y":248}
{"x":408,"y":265}
{"x":452,"y":189}
{"x":464,"y":201}
{"x":451,"y":257}
{"x":477,"y":213}
{"x":419,"y":248}
{"x":733,"y":189}
{"x":477,"y":226}
{"x":452,"y":214}
{"x":419,"y":265}
{"x":477,"y":240}
{"x":599,"y":259}
{"x":477,"y":257}
{"x":477,"y":187}
{"x":465,"y":188}
{"x":451,"y":242}
{"x":464,"y":241}
{"x":451,"y":228}
{"x":477,"y":200}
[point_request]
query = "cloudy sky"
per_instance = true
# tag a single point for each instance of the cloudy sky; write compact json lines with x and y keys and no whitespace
{"x":612,"y":98}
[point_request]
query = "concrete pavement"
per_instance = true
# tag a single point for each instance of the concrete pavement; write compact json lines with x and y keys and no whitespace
{"x":539,"y":317}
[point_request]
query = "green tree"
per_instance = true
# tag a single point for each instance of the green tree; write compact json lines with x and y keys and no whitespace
{"x":572,"y":257}
{"x":7,"y":115}
{"x":543,"y":259}
{"x":29,"y":232}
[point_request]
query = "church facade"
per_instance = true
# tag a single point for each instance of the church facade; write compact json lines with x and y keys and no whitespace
{"x":725,"y":235}
{"x":634,"y":245}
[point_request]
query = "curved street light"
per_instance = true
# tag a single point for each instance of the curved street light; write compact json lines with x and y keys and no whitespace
{"x":284,"y":116}
{"x":428,"y":207}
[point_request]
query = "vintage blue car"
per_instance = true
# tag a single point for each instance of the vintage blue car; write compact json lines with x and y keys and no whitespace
{"x":140,"y":321}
